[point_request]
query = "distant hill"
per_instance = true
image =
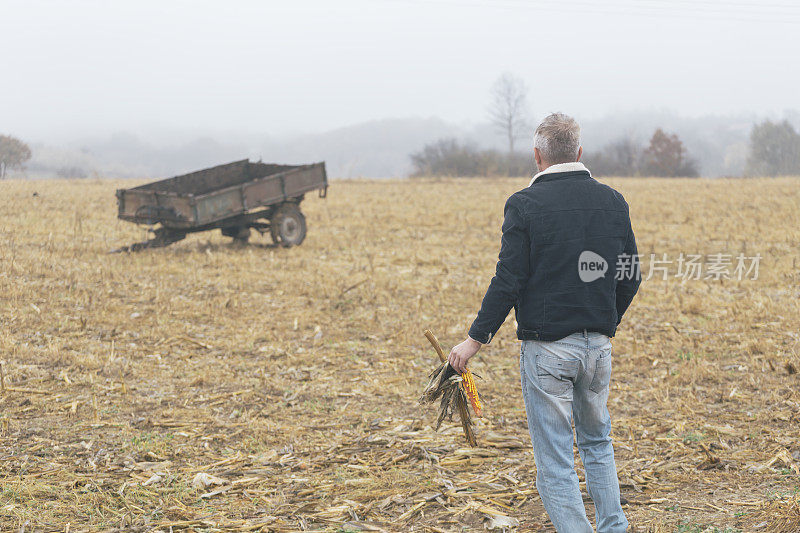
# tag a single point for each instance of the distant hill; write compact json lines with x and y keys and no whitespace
{"x":378,"y":148}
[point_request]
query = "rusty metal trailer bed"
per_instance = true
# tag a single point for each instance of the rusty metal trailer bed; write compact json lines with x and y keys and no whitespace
{"x":234,"y":197}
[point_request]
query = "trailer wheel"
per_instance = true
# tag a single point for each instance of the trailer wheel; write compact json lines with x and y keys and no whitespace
{"x":288,"y":226}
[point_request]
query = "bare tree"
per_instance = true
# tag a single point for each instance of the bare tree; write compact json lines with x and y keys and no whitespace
{"x":509,"y":108}
{"x":449,"y":157}
{"x":621,"y":157}
{"x":667,"y":157}
{"x":774,"y":150}
{"x":13,"y":153}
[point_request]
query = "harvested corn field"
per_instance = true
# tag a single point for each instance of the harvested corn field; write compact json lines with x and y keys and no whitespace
{"x":218,"y":387}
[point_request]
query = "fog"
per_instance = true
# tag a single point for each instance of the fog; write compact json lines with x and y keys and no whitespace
{"x":272,"y":79}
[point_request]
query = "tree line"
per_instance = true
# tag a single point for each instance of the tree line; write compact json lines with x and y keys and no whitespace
{"x":774,"y":148}
{"x":665,"y":156}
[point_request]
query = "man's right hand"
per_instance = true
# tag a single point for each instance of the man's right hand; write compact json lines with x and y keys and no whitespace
{"x":462,"y":353}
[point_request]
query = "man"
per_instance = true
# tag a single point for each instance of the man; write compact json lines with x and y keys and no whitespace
{"x":564,"y":236}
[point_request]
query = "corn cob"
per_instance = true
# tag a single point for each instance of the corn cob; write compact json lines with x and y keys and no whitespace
{"x":468,"y":384}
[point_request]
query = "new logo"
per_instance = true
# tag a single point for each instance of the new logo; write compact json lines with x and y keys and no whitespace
{"x":591,"y":266}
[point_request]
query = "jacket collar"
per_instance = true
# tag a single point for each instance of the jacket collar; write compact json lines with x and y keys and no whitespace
{"x":576,"y":166}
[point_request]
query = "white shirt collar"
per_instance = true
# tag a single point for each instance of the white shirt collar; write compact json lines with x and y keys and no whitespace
{"x":561,"y":167}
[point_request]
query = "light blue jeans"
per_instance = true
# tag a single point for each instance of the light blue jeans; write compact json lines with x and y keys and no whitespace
{"x":563,"y":380}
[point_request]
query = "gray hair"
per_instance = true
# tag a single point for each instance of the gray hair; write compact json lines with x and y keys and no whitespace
{"x":558,"y":138}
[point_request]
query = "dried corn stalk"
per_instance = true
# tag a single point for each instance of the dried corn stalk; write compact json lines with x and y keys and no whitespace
{"x":445,"y":383}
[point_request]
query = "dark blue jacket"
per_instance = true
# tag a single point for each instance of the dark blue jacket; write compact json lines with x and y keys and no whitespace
{"x":557,"y":235}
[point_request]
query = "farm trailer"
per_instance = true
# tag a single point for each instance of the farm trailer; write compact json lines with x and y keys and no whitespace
{"x":234,"y":197}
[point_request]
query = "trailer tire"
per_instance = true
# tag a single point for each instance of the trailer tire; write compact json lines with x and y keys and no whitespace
{"x":288,"y":225}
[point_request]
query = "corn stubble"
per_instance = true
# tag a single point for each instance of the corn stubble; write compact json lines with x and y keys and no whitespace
{"x":212,"y":387}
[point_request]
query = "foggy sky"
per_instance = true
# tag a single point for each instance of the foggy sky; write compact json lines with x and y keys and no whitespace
{"x":90,"y":67}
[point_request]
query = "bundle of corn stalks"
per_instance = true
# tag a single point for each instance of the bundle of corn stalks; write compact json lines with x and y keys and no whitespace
{"x":454,"y":390}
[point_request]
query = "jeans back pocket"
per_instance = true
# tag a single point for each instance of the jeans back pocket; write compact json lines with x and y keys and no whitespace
{"x":555,"y":375}
{"x":602,"y":371}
